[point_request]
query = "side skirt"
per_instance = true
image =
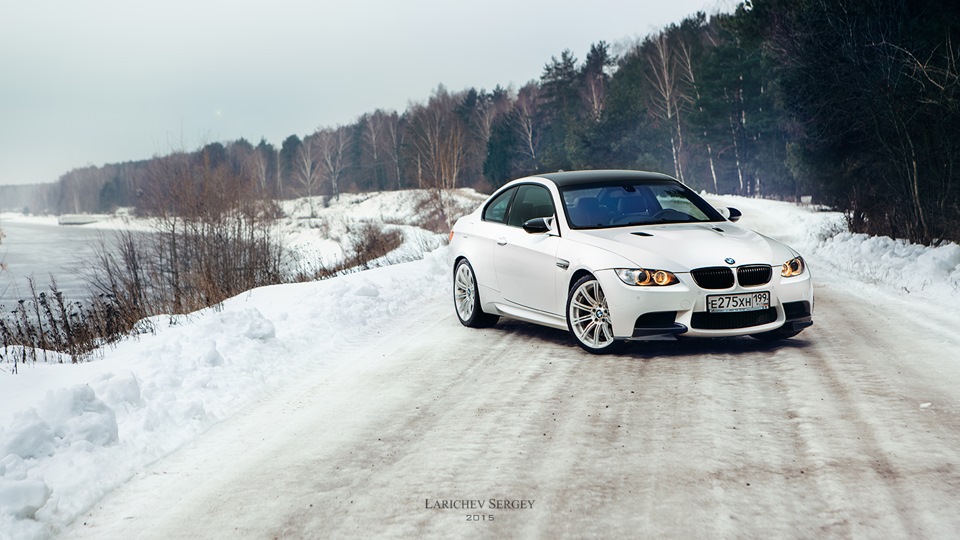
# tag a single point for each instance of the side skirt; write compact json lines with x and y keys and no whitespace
{"x":531,"y":315}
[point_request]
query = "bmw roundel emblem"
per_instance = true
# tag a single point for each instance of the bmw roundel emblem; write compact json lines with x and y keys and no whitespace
{"x":728,"y":260}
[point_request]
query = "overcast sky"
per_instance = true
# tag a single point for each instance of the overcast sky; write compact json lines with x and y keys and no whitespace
{"x":89,"y":82}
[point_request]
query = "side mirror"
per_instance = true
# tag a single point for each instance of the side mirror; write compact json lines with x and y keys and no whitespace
{"x":733,"y":214}
{"x":536,"y":225}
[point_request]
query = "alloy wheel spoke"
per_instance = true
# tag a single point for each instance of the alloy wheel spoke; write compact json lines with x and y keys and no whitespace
{"x":585,"y":293}
{"x":581,"y":320}
{"x":581,"y":306}
{"x":597,"y":328}
{"x":587,"y":330}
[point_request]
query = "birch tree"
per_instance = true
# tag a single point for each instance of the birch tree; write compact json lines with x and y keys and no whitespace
{"x":596,"y":79}
{"x":525,"y":121}
{"x":307,"y":171}
{"x":332,"y":147}
{"x":439,"y":141}
{"x":372,"y":138}
{"x":686,"y":64}
{"x":393,"y":147}
{"x":667,"y":98}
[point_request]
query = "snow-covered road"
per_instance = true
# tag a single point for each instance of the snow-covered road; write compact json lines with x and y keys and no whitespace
{"x":850,"y":430}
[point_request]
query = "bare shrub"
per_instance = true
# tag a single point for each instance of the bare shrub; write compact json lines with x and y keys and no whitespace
{"x":46,"y":327}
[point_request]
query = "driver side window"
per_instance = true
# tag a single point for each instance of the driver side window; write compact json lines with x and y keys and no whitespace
{"x":532,"y":201}
{"x":496,"y":211}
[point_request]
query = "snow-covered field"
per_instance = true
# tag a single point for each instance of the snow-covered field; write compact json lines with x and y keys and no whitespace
{"x":71,"y":434}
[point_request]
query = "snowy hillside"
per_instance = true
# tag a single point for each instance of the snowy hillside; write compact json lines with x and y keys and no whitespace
{"x":322,"y":231}
{"x":70,"y":434}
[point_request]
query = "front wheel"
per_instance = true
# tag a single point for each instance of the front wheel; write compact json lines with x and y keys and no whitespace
{"x":588,"y":317}
{"x":466,"y":298}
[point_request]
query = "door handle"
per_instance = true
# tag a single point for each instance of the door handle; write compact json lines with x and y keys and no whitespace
{"x":501,"y":241}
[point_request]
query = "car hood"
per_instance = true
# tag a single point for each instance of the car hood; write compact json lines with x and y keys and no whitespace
{"x":683,"y":246}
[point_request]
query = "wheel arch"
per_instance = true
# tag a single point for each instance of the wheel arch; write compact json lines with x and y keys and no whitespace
{"x":576,"y":277}
{"x":456,"y":262}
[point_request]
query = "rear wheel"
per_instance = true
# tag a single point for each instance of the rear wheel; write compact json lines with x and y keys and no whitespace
{"x":588,"y":317}
{"x":466,"y":298}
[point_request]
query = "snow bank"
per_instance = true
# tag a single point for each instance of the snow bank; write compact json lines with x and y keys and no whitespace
{"x":896,"y":264}
{"x":69,"y":440}
{"x":822,"y":237}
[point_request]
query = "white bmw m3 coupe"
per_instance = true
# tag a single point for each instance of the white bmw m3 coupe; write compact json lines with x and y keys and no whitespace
{"x":623,"y":255}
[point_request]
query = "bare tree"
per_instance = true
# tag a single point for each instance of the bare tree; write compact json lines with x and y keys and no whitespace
{"x":394,"y":135}
{"x":524,"y":120}
{"x":686,"y":64}
{"x":666,"y":99}
{"x":373,"y":134}
{"x":595,"y":94}
{"x":489,"y":108}
{"x":596,"y":78}
{"x":439,"y":140}
{"x":426,"y":124}
{"x":332,"y":147}
{"x":308,"y":165}
{"x":375,"y":139}
{"x":261,"y":174}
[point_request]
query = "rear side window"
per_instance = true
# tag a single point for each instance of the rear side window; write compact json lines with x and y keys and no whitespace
{"x":497,"y":209}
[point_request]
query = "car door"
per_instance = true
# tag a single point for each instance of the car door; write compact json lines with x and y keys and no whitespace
{"x":484,"y":236}
{"x":526,"y":263}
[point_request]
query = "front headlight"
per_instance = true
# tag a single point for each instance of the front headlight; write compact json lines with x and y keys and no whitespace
{"x":793,"y":267}
{"x":646,"y":277}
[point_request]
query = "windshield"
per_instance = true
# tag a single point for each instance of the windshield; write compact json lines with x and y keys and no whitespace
{"x":622,"y":204}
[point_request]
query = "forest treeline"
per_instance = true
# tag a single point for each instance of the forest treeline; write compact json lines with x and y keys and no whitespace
{"x":852,"y":102}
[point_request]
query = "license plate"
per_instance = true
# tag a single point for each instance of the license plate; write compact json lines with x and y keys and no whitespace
{"x":726,"y":303}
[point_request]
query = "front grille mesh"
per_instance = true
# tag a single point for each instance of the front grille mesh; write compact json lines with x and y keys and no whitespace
{"x":751,"y":276}
{"x":714,"y":277}
{"x":729,"y":321}
{"x":721,"y":277}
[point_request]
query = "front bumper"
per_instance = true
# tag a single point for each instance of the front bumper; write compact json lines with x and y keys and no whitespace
{"x":640,"y":313}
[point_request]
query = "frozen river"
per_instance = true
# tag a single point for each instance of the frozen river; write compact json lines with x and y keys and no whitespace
{"x":42,"y":249}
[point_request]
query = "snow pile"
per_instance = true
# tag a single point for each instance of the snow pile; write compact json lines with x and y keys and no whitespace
{"x":72,"y":442}
{"x":895,"y":263}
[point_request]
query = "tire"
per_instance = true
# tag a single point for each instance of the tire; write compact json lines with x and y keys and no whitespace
{"x":466,"y":298}
{"x":588,"y":317}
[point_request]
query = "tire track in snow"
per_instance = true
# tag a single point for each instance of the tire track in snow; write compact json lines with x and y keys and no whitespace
{"x":898,"y":474}
{"x":880,"y":467}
